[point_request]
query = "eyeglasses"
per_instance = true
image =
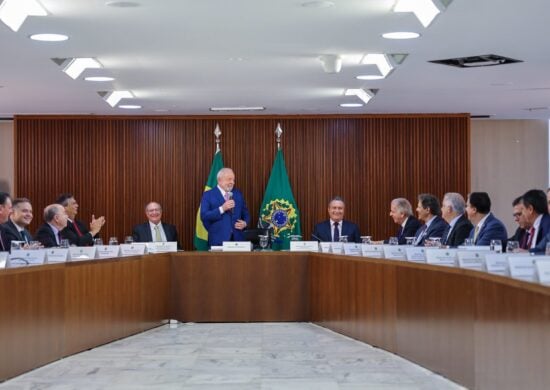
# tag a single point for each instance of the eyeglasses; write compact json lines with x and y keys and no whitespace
{"x":516,"y":215}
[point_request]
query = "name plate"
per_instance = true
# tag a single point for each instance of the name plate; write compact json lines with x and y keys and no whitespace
{"x":337,"y":247}
{"x":543,"y":270}
{"x":472,"y":259}
{"x":108,"y":251}
{"x":325,"y":247}
{"x":77,"y":253}
{"x":135,"y":249}
{"x":24,"y":257}
{"x":3,"y":259}
{"x":162,"y":247}
{"x":445,"y":257}
{"x":304,"y":246}
{"x":496,"y":263}
{"x":374,"y":251}
{"x":395,"y":252}
{"x":57,"y":255}
{"x":474,"y":247}
{"x":236,"y":246}
{"x":352,"y":249}
{"x":522,"y":268}
{"x":416,"y":254}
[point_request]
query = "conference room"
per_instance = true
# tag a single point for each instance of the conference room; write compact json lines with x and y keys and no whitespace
{"x":128,"y":106}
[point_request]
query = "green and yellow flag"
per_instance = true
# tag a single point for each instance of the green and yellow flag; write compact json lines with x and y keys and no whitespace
{"x":201,"y":235}
{"x":279,"y":211}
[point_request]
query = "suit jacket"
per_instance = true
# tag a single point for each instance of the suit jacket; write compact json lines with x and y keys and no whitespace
{"x":220,"y":227}
{"x":411,"y":227}
{"x":322,"y":231}
{"x":544,"y":230}
{"x":518,"y":235}
{"x":46,"y":236}
{"x":3,"y":245}
{"x":10,"y":233}
{"x":461,"y":231}
{"x":70,"y":233}
{"x":142,"y":232}
{"x":492,"y":229}
{"x":436,"y":229}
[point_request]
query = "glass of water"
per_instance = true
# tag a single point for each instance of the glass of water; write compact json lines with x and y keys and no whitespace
{"x":469,"y":242}
{"x":343,"y":238}
{"x":409,"y":240}
{"x":128,"y":240}
{"x":435,"y":242}
{"x":512,"y":246}
{"x":547,"y":252}
{"x":64,"y":243}
{"x":393,"y":241}
{"x":263,"y":241}
{"x":113,"y":241}
{"x":366,"y":239}
{"x":98,"y":241}
{"x":295,"y":237}
{"x":496,"y":246}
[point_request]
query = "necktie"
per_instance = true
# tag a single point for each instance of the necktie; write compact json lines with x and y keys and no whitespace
{"x":531,"y":235}
{"x":400,"y":232}
{"x":158,"y":237}
{"x":420,"y":234}
{"x":77,"y":229}
{"x":226,"y":196}
{"x":524,"y":238}
{"x":336,"y":233}
{"x":58,"y":238}
{"x":476,"y":232}
{"x":25,"y":236}
{"x":446,"y":235}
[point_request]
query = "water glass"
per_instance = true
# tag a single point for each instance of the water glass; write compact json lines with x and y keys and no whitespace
{"x":128,"y":240}
{"x":113,"y":241}
{"x":469,"y":242}
{"x":496,"y":246}
{"x":263,"y":241}
{"x":63,"y":243}
{"x":409,"y":240}
{"x":366,"y":239}
{"x":98,"y":241}
{"x":547,"y":252}
{"x":295,"y":237}
{"x":512,"y":246}
{"x":393,"y":241}
{"x":34,"y":245}
{"x":343,"y":239}
{"x":435,"y":242}
{"x":16,"y":245}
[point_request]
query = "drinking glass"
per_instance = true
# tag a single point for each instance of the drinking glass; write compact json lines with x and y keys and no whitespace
{"x":98,"y":241}
{"x":295,"y":237}
{"x":16,"y":245}
{"x":366,"y":239}
{"x":436,"y":242}
{"x":468,"y":242}
{"x":63,"y":243}
{"x":512,"y":246}
{"x":547,"y":252}
{"x":113,"y":241}
{"x":263,"y":241}
{"x":393,"y":241}
{"x":128,"y":240}
{"x":496,"y":246}
{"x":409,"y":240}
{"x":343,"y":239}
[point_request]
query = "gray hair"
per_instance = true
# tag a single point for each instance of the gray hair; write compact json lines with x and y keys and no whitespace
{"x":153,"y":202}
{"x":222,"y":172}
{"x":51,"y":211}
{"x":403,"y":205}
{"x":457,"y":201}
{"x":337,"y":199}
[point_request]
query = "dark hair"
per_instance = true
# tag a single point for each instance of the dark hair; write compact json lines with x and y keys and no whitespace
{"x":481,"y":201}
{"x":536,"y":199}
{"x":17,"y":201}
{"x":431,"y":202}
{"x":337,"y":199}
{"x":517,"y":201}
{"x":63,"y":199}
{"x":4,"y":196}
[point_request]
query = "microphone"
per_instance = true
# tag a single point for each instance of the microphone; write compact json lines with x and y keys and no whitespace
{"x":317,"y":238}
{"x":230,"y":197}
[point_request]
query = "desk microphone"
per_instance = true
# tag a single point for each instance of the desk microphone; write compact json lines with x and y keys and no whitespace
{"x":230,"y":197}
{"x":317,"y":238}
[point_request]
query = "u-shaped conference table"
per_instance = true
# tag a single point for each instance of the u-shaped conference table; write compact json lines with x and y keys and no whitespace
{"x":480,"y":330}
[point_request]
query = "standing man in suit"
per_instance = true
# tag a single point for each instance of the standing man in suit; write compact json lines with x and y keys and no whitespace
{"x":429,"y":212}
{"x":223,"y":210}
{"x":15,"y":229}
{"x":154,"y":230}
{"x":5,"y":211}
{"x":336,"y":226}
{"x":452,"y":211}
{"x":77,"y":233}
{"x":486,"y":226}
{"x":535,"y":212}
{"x":402,"y":214}
{"x":521,"y":233}
{"x":49,"y":234}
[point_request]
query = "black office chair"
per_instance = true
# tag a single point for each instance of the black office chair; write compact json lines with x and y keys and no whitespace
{"x":252,"y":235}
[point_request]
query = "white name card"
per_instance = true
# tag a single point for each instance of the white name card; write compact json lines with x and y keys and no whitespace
{"x":374,"y":251}
{"x":77,"y":253}
{"x":352,"y":249}
{"x":445,"y":257}
{"x":325,"y":247}
{"x":24,"y":257}
{"x":135,"y":249}
{"x":3,"y":259}
{"x":474,"y":247}
{"x":304,"y":246}
{"x":416,"y":254}
{"x":522,"y":267}
{"x":237,"y":246}
{"x":543,"y":270}
{"x":496,"y":263}
{"x":162,"y":247}
{"x":395,"y":252}
{"x":57,"y":255}
{"x":337,"y":247}
{"x":108,"y":251}
{"x":472,"y":259}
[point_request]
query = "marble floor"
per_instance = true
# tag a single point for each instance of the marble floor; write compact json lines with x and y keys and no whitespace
{"x":265,"y":356}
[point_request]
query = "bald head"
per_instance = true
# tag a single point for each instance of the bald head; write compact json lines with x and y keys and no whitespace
{"x":56,"y":215}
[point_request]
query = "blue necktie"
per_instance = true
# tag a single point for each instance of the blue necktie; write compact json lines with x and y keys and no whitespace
{"x":336,"y":232}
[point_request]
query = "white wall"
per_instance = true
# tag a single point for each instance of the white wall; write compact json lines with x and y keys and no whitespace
{"x":508,"y":157}
{"x":6,"y":156}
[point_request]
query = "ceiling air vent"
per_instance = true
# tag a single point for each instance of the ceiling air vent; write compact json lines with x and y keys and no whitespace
{"x":477,"y":61}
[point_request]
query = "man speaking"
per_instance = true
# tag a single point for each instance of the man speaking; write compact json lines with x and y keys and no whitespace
{"x":223,"y":210}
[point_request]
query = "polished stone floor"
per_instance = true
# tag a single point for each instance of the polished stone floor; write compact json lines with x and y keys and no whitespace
{"x":261,"y":356}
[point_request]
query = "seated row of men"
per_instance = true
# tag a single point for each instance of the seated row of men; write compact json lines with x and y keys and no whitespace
{"x":60,"y":223}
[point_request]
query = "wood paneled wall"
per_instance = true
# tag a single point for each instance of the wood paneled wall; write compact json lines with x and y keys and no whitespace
{"x":115,"y":165}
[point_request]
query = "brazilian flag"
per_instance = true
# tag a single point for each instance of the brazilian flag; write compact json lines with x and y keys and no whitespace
{"x":279,"y":211}
{"x":201,"y":235}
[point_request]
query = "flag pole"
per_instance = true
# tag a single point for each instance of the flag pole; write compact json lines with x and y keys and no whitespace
{"x":278,"y":133}
{"x":217,"y":133}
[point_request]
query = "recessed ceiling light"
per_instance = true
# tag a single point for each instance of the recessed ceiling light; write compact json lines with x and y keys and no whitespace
{"x":14,"y":12}
{"x":130,"y":106}
{"x":370,"y":77}
{"x":400,"y":35}
{"x":99,"y":78}
{"x":49,"y":37}
{"x":76,"y":66}
{"x":161,"y":110}
{"x":424,"y":10}
{"x":364,"y":94}
{"x":318,"y":4}
{"x":242,"y":108}
{"x":382,"y":61}
{"x":122,"y":4}
{"x":351,"y":105}
{"x":114,"y":97}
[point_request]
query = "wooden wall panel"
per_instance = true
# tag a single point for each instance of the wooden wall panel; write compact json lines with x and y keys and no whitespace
{"x":114,"y":165}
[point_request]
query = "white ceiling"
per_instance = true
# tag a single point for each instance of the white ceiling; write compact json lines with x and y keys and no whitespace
{"x":186,"y":56}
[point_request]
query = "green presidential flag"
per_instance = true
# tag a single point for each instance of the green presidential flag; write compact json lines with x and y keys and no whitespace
{"x":201,"y":235}
{"x":279,"y":211}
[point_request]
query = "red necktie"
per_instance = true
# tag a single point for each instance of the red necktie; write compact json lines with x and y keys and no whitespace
{"x":77,"y":229}
{"x":530,"y":240}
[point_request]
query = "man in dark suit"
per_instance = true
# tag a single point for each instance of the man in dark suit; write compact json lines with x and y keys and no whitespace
{"x":402,"y":214}
{"x":15,"y":229}
{"x":49,"y":234}
{"x":452,"y":211}
{"x":5,"y":211}
{"x":76,"y":232}
{"x":535,"y":212}
{"x":154,"y":230}
{"x":336,"y":226}
{"x":486,"y":226}
{"x":223,"y":210}
{"x":520,"y":234}
{"x":429,"y":212}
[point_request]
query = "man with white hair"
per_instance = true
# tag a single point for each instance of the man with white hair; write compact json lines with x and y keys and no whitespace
{"x":223,"y":210}
{"x":452,"y":211}
{"x":402,"y":214}
{"x":55,"y":221}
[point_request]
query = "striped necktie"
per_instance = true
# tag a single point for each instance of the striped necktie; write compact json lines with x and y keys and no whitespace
{"x":476,"y":232}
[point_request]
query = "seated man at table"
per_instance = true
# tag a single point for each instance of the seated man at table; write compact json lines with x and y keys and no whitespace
{"x":77,"y":233}
{"x":402,"y":214}
{"x":15,"y":229}
{"x":452,"y":211}
{"x":486,"y":226}
{"x":5,"y":211}
{"x":154,"y":230}
{"x":336,"y":226}
{"x":520,"y":234}
{"x":429,"y":212}
{"x":55,"y":218}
